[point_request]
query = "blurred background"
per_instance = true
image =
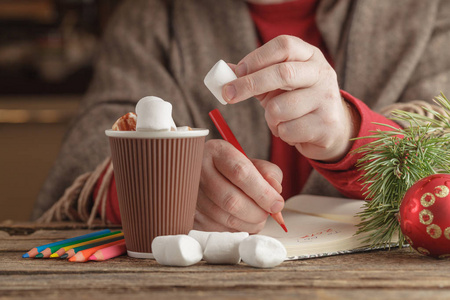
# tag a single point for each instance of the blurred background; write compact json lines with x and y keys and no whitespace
{"x":47,"y":50}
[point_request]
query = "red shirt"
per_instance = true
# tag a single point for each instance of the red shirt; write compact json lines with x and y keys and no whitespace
{"x":295,"y":18}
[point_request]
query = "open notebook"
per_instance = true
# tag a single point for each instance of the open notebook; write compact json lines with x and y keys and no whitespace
{"x":319,"y":226}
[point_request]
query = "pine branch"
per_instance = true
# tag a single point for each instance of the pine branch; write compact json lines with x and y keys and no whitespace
{"x":394,"y":161}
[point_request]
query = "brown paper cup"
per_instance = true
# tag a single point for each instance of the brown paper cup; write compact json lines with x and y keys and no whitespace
{"x":157,"y":177}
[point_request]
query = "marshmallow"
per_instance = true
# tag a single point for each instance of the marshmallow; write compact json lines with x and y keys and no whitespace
{"x":200,"y":236}
{"x":176,"y":250}
{"x":261,"y":251}
{"x":219,"y":75}
{"x":154,"y":114}
{"x":223,"y":247}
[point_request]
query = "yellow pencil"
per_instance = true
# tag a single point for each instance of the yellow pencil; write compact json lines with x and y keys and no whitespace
{"x":63,"y":250}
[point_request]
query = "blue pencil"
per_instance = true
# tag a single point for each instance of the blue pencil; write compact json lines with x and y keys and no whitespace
{"x":33,"y":252}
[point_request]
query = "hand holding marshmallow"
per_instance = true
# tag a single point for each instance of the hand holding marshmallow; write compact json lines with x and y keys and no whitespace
{"x":300,"y":94}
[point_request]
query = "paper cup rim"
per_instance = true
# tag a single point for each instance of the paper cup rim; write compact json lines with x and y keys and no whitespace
{"x":195,"y":132}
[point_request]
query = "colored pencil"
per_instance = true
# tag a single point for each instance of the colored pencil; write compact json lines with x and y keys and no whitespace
{"x":83,"y":256}
{"x":109,"y":252}
{"x":228,"y":136}
{"x":63,"y":250}
{"x":48,"y":251}
{"x":33,"y":252}
{"x":74,"y":251}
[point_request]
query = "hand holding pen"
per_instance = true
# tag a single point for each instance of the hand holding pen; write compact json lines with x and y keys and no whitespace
{"x":235,"y":194}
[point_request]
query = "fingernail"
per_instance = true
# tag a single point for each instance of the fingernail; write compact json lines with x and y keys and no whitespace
{"x":230,"y":92}
{"x":241,"y":70}
{"x":277,"y":207}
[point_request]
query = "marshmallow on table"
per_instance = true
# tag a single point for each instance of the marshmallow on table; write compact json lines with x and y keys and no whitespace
{"x":223,"y":247}
{"x":154,"y":114}
{"x":261,"y":251}
{"x":219,"y":75}
{"x":176,"y":250}
{"x":200,"y":236}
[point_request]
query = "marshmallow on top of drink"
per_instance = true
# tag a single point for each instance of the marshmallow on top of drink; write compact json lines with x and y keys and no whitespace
{"x":152,"y":114}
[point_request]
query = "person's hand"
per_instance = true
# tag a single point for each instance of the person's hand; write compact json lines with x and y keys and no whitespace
{"x":236,"y":194}
{"x":299,"y":91}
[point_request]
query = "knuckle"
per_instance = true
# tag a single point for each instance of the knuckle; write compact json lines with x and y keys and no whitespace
{"x":210,"y":151}
{"x":327,"y":72}
{"x":304,"y":135}
{"x":240,"y":172}
{"x":284,"y":133}
{"x":332,"y":73}
{"x":284,"y":42}
{"x":316,"y":52}
{"x":232,"y":204}
{"x":233,"y":222}
{"x":211,"y":146}
{"x":328,"y":144}
{"x":287,"y":73}
{"x":215,"y":148}
{"x":250,"y":83}
{"x":333,"y":119}
{"x":309,"y":137}
{"x":273,"y":110}
{"x":258,"y":59}
{"x":266,"y":193}
{"x":329,"y":96}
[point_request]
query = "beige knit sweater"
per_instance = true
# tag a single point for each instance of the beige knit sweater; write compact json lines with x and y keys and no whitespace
{"x":384,"y":52}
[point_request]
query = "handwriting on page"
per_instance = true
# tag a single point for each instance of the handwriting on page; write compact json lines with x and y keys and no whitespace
{"x":313,"y":236}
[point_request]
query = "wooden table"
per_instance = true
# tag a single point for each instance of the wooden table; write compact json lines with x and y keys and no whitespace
{"x":395,"y":274}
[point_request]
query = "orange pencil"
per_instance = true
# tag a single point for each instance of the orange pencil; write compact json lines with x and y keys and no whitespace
{"x":63,"y":250}
{"x":109,"y":252}
{"x":73,"y":251}
{"x":35,"y":251}
{"x":84,"y":255}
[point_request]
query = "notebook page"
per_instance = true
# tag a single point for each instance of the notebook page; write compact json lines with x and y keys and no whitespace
{"x":338,"y":209}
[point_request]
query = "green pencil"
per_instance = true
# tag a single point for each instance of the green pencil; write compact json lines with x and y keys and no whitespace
{"x":48,"y":251}
{"x":74,"y":251}
{"x":33,"y":252}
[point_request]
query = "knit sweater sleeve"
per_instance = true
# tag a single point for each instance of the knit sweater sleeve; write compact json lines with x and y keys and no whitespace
{"x":344,"y":175}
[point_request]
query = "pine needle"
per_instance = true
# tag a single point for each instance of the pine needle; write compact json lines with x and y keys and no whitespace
{"x":394,"y":161}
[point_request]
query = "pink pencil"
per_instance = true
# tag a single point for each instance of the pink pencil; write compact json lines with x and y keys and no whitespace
{"x":109,"y":252}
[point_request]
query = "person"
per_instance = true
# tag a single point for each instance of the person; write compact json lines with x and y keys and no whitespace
{"x":312,"y":75}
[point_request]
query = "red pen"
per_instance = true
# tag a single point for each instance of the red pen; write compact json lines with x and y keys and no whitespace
{"x":228,"y":136}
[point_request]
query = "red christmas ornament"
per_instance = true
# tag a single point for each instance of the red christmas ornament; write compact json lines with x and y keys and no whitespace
{"x":425,"y":216}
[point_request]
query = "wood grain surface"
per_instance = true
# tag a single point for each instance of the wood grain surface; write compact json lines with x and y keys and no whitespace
{"x":395,"y":274}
